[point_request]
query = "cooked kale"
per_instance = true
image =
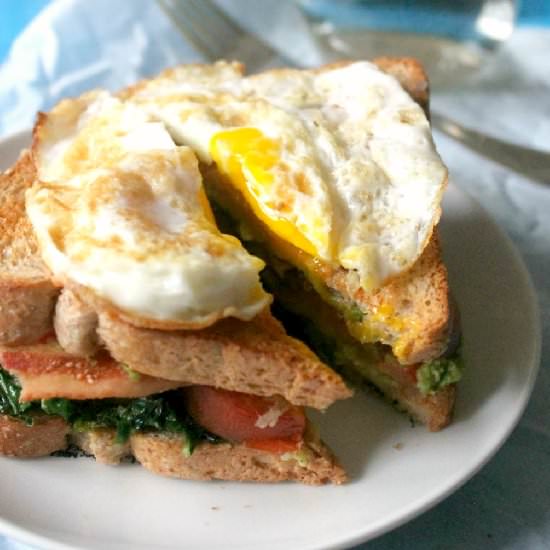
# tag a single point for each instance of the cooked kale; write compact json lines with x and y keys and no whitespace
{"x":157,"y":413}
{"x":9,"y":398}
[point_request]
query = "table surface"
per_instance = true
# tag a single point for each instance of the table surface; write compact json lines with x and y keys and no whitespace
{"x":507,"y":504}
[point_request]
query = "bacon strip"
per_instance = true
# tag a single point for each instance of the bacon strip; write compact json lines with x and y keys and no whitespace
{"x":46,"y":371}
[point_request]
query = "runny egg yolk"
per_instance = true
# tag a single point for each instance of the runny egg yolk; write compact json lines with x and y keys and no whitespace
{"x":250,"y":161}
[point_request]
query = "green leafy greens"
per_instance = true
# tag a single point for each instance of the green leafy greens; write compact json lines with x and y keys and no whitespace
{"x":9,"y":398}
{"x":155,"y":413}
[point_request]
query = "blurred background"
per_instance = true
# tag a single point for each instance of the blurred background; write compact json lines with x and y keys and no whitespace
{"x":489,"y":62}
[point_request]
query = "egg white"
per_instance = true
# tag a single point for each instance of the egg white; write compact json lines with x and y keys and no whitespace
{"x":119,"y":209}
{"x":364,"y":147}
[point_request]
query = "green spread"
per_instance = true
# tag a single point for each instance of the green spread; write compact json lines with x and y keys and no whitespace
{"x":155,"y":413}
{"x":133,"y":375}
{"x":434,"y":375}
{"x":333,"y":343}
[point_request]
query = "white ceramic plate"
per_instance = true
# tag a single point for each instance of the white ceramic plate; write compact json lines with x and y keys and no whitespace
{"x":397,"y":471}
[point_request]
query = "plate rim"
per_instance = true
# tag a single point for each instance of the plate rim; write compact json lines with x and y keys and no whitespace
{"x":13,"y":530}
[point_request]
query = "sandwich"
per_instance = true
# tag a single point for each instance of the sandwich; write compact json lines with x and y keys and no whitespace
{"x":148,"y":230}
{"x":332,"y":178}
{"x":131,"y":327}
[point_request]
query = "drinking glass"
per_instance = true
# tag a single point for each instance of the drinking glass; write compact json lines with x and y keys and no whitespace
{"x":452,"y":38}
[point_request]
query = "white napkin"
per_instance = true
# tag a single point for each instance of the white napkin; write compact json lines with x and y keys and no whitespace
{"x":75,"y":45}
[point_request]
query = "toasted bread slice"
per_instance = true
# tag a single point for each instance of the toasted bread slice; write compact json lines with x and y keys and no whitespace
{"x":411,"y":313}
{"x":320,"y":326}
{"x":27,"y":296}
{"x":252,"y":357}
{"x":46,"y":435}
{"x":162,"y":453}
{"x":420,"y":297}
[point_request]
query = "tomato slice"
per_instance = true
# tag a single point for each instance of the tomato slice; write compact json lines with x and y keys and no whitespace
{"x":405,"y":374}
{"x":242,"y":417}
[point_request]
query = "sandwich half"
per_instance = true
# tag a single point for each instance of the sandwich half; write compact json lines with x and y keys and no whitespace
{"x":332,"y":178}
{"x":220,"y":400}
{"x":52,"y":401}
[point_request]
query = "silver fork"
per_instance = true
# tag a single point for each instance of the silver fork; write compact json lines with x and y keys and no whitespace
{"x":216,"y":36}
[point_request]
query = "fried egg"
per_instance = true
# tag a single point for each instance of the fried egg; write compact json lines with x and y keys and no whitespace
{"x":340,"y":163}
{"x":119,"y":208}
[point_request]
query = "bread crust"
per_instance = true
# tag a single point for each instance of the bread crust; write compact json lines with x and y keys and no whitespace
{"x":411,"y":75}
{"x":27,"y":295}
{"x":47,"y":435}
{"x":256,"y":357}
{"x":26,"y":310}
{"x":162,"y":453}
{"x":75,"y":325}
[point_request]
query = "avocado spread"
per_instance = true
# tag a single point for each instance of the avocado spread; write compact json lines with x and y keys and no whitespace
{"x":155,"y":413}
{"x":434,"y":375}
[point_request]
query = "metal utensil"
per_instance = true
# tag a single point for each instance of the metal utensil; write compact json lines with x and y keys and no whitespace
{"x":523,"y":160}
{"x":217,"y":36}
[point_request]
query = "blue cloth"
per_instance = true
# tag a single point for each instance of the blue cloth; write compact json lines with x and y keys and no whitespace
{"x":534,"y":13}
{"x":452,"y":19}
{"x":14,"y":15}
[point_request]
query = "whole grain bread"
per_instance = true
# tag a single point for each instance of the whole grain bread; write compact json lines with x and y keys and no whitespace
{"x":75,"y":325}
{"x":362,"y":364}
{"x":252,"y":357}
{"x":46,"y":435}
{"x":420,"y":296}
{"x":162,"y":453}
{"x":413,"y":312}
{"x":27,"y":295}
